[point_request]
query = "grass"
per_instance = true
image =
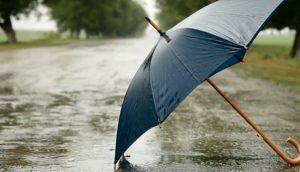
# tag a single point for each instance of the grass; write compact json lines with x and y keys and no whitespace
{"x":50,"y":41}
{"x":26,"y":36}
{"x":30,"y":39}
{"x":286,"y":41}
{"x":269,"y":59}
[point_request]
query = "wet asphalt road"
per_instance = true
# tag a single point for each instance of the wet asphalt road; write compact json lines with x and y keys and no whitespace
{"x":59,"y":108}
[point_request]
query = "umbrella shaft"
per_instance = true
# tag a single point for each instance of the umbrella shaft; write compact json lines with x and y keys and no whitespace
{"x":236,"y":108}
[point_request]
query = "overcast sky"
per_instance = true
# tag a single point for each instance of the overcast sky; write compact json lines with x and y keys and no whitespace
{"x":44,"y":23}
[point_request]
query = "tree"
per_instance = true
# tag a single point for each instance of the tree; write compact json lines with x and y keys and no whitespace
{"x":68,"y":14}
{"x":98,"y":17}
{"x":288,"y":15}
{"x":173,"y":11}
{"x":10,"y":8}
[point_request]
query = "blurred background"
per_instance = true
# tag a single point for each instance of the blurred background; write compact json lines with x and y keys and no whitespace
{"x":65,"y":67}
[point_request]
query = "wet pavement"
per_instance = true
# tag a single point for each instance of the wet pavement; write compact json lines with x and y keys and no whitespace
{"x":59,"y":109}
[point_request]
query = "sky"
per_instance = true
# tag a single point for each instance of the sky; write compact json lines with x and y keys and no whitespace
{"x":45,"y":23}
{"x":33,"y":22}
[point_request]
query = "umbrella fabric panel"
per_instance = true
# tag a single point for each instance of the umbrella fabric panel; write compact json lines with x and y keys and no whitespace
{"x":138,"y":113}
{"x":237,"y":21}
{"x":179,"y":66}
{"x":170,"y":80}
{"x":231,"y":61}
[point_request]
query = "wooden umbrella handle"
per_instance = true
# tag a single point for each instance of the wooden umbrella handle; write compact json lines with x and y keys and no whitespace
{"x":283,"y":155}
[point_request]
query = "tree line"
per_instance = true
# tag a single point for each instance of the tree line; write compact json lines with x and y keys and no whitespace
{"x":119,"y":18}
{"x":288,"y":14}
{"x":97,"y":18}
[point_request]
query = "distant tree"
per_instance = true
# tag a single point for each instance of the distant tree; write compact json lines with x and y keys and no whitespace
{"x":289,"y":15}
{"x":98,"y":17}
{"x":173,"y":11}
{"x":69,"y":15}
{"x":9,"y":8}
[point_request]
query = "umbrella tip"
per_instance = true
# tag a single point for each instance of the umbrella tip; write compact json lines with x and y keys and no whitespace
{"x":158,"y":29}
{"x":148,"y":19}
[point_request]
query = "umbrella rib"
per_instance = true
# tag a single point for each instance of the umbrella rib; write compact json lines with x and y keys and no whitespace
{"x":185,"y":66}
{"x":154,"y":104}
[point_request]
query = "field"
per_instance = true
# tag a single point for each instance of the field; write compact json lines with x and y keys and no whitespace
{"x":26,"y":36}
{"x":30,"y":39}
{"x":269,"y":59}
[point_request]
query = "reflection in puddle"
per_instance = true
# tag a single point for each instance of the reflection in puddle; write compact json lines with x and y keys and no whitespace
{"x":113,"y":100}
{"x":23,"y":152}
{"x":6,"y":90}
{"x":103,"y":123}
{"x":61,"y":100}
{"x":9,"y":113}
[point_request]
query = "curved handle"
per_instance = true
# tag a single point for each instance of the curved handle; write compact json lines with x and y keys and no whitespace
{"x":295,"y":143}
{"x":284,"y":156}
{"x":293,"y":161}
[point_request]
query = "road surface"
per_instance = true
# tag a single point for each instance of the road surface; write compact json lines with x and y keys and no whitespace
{"x":59,"y":109}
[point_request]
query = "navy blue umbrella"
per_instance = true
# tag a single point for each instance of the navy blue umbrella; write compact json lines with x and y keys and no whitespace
{"x":210,"y":40}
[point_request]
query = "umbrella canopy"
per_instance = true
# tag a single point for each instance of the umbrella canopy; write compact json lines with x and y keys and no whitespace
{"x":210,"y":40}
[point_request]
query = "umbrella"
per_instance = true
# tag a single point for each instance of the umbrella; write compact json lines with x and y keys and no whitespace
{"x":210,"y":40}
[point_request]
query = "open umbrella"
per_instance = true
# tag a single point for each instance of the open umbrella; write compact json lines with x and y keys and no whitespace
{"x":212,"y":39}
